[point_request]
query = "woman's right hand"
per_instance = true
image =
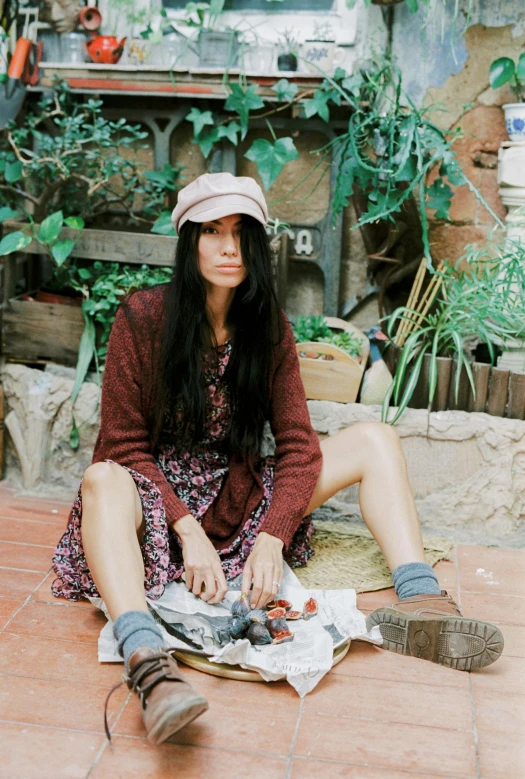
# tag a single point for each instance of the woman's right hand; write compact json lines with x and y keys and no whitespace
{"x":201,"y":561}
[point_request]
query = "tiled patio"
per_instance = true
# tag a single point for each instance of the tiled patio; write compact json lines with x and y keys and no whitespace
{"x":377,"y":716}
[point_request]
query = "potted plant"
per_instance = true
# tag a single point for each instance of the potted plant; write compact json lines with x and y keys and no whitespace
{"x":320,"y":51}
{"x":505,"y":71}
{"x":147,"y":30}
{"x":482,"y":304}
{"x":332,"y":357}
{"x":218,"y":48}
{"x":288,"y":48}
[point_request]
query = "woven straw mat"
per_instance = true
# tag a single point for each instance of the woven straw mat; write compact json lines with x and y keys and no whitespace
{"x":348,"y":557}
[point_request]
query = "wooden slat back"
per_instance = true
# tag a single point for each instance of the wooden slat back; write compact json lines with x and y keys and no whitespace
{"x":498,"y":389}
{"x":112,"y":246}
{"x":516,"y":407}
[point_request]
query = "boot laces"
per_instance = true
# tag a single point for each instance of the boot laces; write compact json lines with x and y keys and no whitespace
{"x":136,"y":680}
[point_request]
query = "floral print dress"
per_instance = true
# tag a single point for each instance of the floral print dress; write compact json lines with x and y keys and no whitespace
{"x":197,"y":478}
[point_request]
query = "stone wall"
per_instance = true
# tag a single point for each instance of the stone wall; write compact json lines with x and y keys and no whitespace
{"x":467,"y":470}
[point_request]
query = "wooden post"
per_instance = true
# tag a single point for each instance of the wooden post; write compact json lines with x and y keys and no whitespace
{"x":444,"y":369}
{"x":9,"y":276}
{"x":462,"y":401}
{"x":516,"y":407}
{"x":481,"y":374}
{"x":420,"y":397}
{"x":498,"y":388}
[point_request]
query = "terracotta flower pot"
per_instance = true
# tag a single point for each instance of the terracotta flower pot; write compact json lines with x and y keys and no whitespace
{"x":47,"y":296}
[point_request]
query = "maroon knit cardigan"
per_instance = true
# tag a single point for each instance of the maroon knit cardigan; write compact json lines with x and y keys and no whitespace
{"x":126,"y":421}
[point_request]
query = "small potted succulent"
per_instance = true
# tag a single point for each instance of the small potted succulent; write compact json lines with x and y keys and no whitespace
{"x":505,"y":71}
{"x":288,"y":47}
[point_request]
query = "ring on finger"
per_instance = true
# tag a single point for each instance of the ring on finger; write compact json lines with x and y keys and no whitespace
{"x":277,"y":584}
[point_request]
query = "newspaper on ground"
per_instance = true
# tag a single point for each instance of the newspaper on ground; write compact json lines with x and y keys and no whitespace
{"x":191,"y":625}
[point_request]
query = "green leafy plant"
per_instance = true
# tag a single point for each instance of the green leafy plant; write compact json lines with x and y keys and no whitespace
{"x":323,"y":31}
{"x":47,"y":234}
{"x":67,"y":157}
{"x":505,"y":71}
{"x":102,"y":285}
{"x":315,"y":328}
{"x":204,"y":16}
{"x":485,"y":303}
{"x":310,"y":328}
{"x":346,"y":341}
{"x":389,"y":148}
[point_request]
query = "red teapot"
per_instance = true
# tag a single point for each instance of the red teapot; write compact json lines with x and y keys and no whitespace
{"x":106,"y":49}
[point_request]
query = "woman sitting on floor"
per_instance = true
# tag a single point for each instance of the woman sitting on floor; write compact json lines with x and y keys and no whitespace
{"x":194,"y":369}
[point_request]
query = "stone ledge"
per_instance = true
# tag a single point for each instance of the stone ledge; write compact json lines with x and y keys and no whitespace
{"x":467,"y":470}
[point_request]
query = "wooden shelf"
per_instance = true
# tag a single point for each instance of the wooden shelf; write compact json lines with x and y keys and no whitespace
{"x":156,"y":80}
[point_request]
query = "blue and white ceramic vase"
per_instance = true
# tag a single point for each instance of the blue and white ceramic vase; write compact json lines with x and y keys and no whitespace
{"x":515,"y":121}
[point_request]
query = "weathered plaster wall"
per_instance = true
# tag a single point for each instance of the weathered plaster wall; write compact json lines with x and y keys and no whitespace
{"x":450,"y":71}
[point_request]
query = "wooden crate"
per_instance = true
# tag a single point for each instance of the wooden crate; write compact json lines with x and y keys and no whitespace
{"x":35,"y":332}
{"x":338,"y":379}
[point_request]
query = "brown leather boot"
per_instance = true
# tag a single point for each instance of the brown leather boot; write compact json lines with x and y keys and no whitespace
{"x":168,"y":701}
{"x":432,"y":627}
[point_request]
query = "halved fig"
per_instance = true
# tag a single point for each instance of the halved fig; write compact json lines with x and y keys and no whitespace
{"x":310,"y":608}
{"x":294,"y":615}
{"x":257,"y":634}
{"x":282,"y":637}
{"x":276,"y":613}
{"x":281,"y":603}
{"x":241,"y":607}
{"x":276,"y":626}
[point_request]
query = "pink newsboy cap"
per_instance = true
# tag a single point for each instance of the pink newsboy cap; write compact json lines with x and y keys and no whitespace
{"x":213,"y":195}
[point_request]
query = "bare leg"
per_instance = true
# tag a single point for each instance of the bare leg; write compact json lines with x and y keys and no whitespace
{"x":370,"y":453}
{"x":111,"y":519}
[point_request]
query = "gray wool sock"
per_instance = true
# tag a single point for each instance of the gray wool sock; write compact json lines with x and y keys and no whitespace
{"x":134,"y":630}
{"x":415,"y":579}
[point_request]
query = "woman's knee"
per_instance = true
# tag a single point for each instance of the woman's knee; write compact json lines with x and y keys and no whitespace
{"x":378,"y":436}
{"x":102,"y":476}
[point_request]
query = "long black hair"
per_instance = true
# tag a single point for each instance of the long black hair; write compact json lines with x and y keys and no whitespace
{"x":255,"y":321}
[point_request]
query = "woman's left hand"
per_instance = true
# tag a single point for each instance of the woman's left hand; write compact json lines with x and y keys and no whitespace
{"x":264,"y":567}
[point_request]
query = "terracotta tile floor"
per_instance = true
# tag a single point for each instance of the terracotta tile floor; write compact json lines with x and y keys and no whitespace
{"x":376,"y":716}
